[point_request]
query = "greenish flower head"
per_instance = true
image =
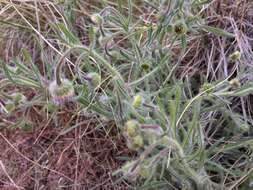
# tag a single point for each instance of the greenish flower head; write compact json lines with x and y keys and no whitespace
{"x":144,"y":170}
{"x":94,"y":79}
{"x":61,"y":93}
{"x":235,"y":84}
{"x":145,"y":66}
{"x":135,"y":143}
{"x":137,"y":101}
{"x":235,"y":56}
{"x":132,"y":128}
{"x":96,"y":19}
{"x":130,"y":171}
{"x":207,"y":87}
{"x":106,"y":41}
{"x":18,"y":98}
{"x":50,"y":107}
{"x":180,"y":28}
{"x":165,"y":140}
{"x":151,"y":133}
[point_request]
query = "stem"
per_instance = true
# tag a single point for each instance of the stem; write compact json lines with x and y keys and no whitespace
{"x":199,"y":96}
{"x":94,"y":107}
{"x":59,"y":65}
{"x":4,"y":95}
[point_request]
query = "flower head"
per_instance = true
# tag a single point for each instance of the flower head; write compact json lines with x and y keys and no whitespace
{"x":96,"y":19}
{"x":106,"y":41}
{"x":137,"y":101}
{"x":180,"y":28}
{"x":144,"y":170}
{"x":61,"y":93}
{"x":145,"y":66}
{"x":135,"y":143}
{"x":132,"y":128}
{"x":235,"y":56}
{"x":94,"y":79}
{"x":207,"y":87}
{"x":130,"y":170}
{"x":151,"y":133}
{"x":18,"y":98}
{"x":235,"y":84}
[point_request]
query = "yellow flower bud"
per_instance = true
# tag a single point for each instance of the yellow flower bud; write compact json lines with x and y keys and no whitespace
{"x":132,"y":128}
{"x":235,"y":56}
{"x":94,"y":79}
{"x":207,"y":87}
{"x":137,"y":101}
{"x":135,"y":143}
{"x":144,"y":171}
{"x":235,"y":84}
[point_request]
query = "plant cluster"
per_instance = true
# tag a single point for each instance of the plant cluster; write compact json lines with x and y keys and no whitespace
{"x":189,"y":127}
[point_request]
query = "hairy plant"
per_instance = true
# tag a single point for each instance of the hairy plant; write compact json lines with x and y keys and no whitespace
{"x":174,"y":76}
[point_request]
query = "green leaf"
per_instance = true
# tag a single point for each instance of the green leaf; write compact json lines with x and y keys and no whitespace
{"x":231,"y":146}
{"x":195,"y":120}
{"x":82,"y":100}
{"x":67,"y":34}
{"x":7,"y":72}
{"x":218,"y":31}
{"x":28,"y":59}
{"x":174,"y":108}
{"x":201,"y":2}
{"x":244,"y":91}
{"x":154,"y":185}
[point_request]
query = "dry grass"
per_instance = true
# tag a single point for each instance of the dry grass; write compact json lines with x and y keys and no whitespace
{"x":83,"y":158}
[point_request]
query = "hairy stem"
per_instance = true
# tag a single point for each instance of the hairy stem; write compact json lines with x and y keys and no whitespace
{"x":101,"y":60}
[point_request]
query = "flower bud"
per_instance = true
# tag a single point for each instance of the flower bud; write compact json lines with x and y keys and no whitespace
{"x":165,"y":140}
{"x":18,"y":98}
{"x":235,"y":56}
{"x":135,"y":143}
{"x":151,"y":133}
{"x":94,"y":79}
{"x":130,"y":170}
{"x":50,"y":107}
{"x":132,"y":128}
{"x":137,"y":101}
{"x":144,"y":170}
{"x":115,"y":55}
{"x":207,"y":87}
{"x":169,"y":142}
{"x":106,"y":41}
{"x":235,"y":84}
{"x":96,"y":19}
{"x":61,"y":93}
{"x":14,"y":101}
{"x":244,"y":128}
{"x":145,"y":66}
{"x":180,"y":28}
